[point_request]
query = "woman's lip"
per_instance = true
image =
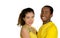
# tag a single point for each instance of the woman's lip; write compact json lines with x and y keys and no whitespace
{"x":30,"y":22}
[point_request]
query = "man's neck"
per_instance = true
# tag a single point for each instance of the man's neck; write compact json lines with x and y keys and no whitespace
{"x":46,"y":21}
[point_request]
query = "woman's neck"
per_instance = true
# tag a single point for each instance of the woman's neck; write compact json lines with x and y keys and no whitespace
{"x":29,"y":26}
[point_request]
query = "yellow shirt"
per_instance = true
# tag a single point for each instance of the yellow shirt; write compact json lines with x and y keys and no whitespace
{"x":32,"y":35}
{"x":48,"y":30}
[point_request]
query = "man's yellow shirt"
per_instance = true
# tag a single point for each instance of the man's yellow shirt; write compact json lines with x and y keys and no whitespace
{"x":48,"y":30}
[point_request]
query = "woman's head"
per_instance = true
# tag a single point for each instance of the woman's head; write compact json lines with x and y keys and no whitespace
{"x":26,"y":17}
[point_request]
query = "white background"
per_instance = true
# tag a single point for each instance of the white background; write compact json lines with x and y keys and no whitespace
{"x":10,"y":10}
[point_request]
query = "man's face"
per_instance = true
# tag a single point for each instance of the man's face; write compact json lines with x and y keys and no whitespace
{"x":45,"y":14}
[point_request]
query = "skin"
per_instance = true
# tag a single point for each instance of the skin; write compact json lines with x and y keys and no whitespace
{"x":29,"y":18}
{"x":46,"y":15}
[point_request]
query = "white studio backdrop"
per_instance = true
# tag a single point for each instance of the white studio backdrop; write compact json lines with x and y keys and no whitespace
{"x":10,"y":10}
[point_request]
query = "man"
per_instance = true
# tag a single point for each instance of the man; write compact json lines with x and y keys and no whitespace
{"x":48,"y":29}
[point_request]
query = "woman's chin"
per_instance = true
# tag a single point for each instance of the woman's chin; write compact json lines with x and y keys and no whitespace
{"x":29,"y":24}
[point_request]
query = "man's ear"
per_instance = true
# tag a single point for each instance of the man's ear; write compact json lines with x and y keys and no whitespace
{"x":51,"y":15}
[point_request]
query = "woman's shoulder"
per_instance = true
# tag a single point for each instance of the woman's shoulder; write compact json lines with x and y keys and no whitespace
{"x":24,"y":28}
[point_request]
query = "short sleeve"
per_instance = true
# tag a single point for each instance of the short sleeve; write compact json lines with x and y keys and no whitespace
{"x":52,"y":33}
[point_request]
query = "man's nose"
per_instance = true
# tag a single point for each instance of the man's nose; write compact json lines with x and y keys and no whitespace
{"x":43,"y":14}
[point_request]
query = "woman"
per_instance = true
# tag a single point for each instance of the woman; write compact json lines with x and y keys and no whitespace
{"x":26,"y":19}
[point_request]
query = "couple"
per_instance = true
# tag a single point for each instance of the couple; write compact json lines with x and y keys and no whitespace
{"x":48,"y":28}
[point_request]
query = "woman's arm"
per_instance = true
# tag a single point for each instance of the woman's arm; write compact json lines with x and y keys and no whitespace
{"x":24,"y":33}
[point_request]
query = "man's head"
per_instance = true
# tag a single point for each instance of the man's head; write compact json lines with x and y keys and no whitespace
{"x":46,"y":13}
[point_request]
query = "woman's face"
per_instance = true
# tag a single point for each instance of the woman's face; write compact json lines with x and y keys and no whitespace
{"x":29,"y":18}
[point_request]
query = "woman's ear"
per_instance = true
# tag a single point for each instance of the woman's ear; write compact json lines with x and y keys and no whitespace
{"x":24,"y":19}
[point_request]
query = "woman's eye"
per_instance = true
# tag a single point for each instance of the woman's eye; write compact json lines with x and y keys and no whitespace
{"x":32,"y":16}
{"x":28,"y":17}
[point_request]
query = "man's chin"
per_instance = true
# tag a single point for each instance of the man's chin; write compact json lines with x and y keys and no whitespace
{"x":44,"y":20}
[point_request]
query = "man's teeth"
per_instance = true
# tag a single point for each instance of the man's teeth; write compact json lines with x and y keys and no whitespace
{"x":43,"y":17}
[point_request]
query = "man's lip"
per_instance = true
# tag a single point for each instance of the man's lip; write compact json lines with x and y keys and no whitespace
{"x":43,"y":17}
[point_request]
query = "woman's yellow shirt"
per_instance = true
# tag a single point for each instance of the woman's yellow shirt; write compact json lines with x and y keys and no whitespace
{"x":32,"y":35}
{"x":48,"y":30}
